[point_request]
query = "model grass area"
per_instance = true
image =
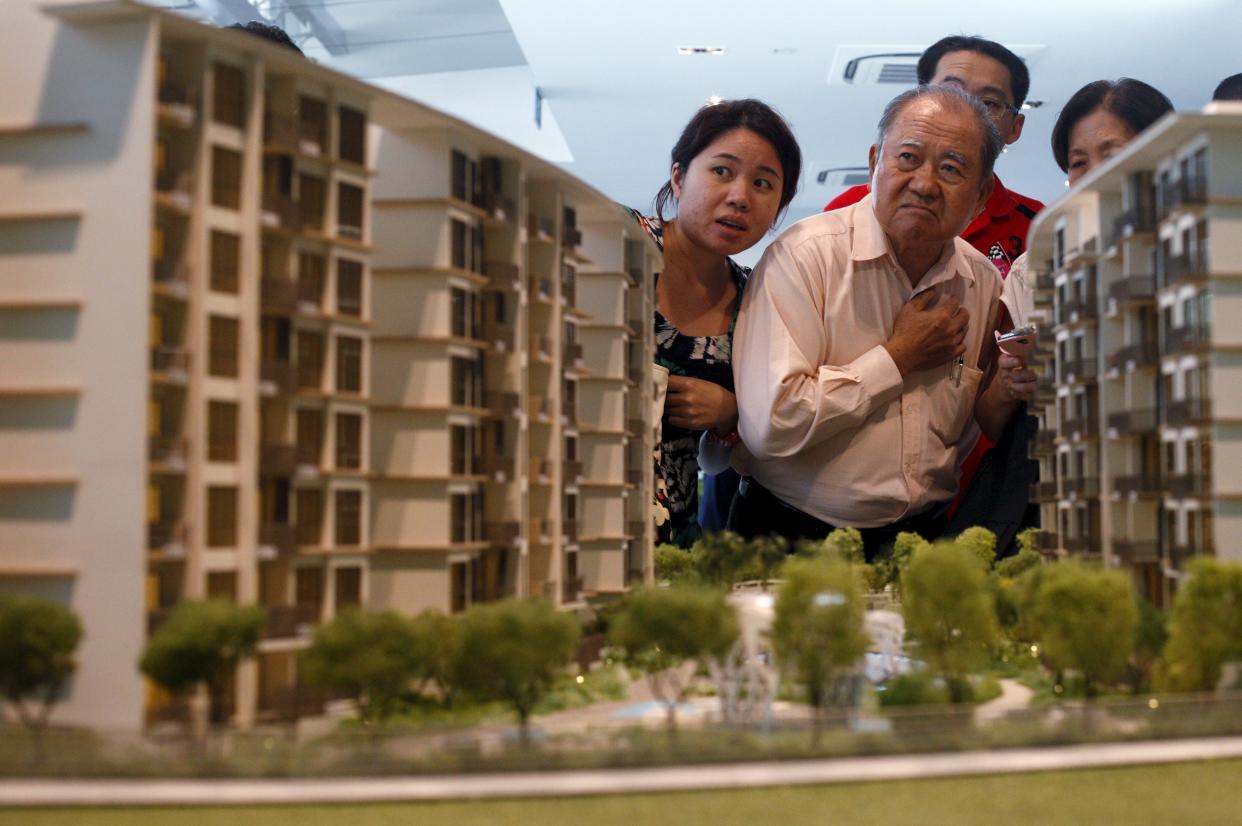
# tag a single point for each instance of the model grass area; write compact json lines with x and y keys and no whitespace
{"x":1187,"y":794}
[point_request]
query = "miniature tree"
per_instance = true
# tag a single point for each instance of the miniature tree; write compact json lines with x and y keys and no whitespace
{"x":512,"y":651}
{"x":769,"y":554}
{"x":37,"y":641}
{"x":660,"y":630}
{"x":845,"y":543}
{"x":1150,"y":636}
{"x":817,"y":631}
{"x":724,"y":558}
{"x":370,"y":658}
{"x":199,"y":645}
{"x":1012,"y":567}
{"x":906,"y":545}
{"x":436,"y":637}
{"x":1086,"y":619}
{"x":949,"y":613}
{"x":1205,"y":628}
{"x":981,"y":542}
{"x":673,"y":563}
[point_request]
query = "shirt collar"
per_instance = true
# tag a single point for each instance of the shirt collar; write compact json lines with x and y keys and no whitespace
{"x":1000,"y":203}
{"x":869,"y":243}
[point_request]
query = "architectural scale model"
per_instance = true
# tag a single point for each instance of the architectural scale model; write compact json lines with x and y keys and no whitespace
{"x":274,"y":335}
{"x":1139,"y":289}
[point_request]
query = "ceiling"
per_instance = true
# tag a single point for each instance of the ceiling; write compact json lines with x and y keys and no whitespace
{"x":616,"y":92}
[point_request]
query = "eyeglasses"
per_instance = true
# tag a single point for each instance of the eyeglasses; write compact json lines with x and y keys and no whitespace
{"x":998,"y":108}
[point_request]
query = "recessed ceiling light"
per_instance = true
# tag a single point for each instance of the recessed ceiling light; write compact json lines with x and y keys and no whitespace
{"x":700,"y":50}
{"x":714,"y":99}
{"x":784,"y":50}
{"x":1032,"y":104}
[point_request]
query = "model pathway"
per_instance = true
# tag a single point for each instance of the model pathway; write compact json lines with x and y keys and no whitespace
{"x":146,"y":792}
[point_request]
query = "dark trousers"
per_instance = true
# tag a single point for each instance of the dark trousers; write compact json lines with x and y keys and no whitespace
{"x":757,"y":512}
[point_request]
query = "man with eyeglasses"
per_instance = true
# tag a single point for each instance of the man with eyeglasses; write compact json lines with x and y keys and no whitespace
{"x":1000,"y":80}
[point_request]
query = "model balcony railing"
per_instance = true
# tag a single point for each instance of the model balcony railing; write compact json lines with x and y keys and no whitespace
{"x":1184,"y":268}
{"x":278,"y":458}
{"x":502,"y":334}
{"x":280,"y":536}
{"x":1043,"y":491}
{"x":1046,"y":541}
{"x":1187,"y":337}
{"x":1187,"y":191}
{"x":571,"y":238}
{"x":279,"y":210}
{"x":499,"y":468}
{"x":310,"y":453}
{"x":571,"y":589}
{"x":540,"y":531}
{"x":502,"y":403}
{"x":1132,"y":288}
{"x":541,"y":471}
{"x":504,"y":532}
{"x":173,"y":277}
{"x":1078,"y":308}
{"x":1081,"y":545}
{"x":280,"y":132}
{"x":277,"y":377}
{"x":569,"y":530}
{"x":168,"y":537}
{"x":540,"y":227}
{"x":174,"y":93}
{"x":1079,"y":370}
{"x":1132,"y":221}
{"x":1134,"y":356}
{"x":1079,"y":427}
{"x":172,"y":361}
{"x":278,"y":295}
{"x":1188,"y":411}
{"x":502,"y":275}
{"x":1081,"y":486}
{"x":1045,"y":390}
{"x":1138,"y":484}
{"x":1136,"y":552}
{"x":168,"y":452}
{"x":1189,"y":485}
{"x":498,"y":206}
{"x":285,"y":621}
{"x":1044,"y":443}
{"x":571,"y":471}
{"x":1131,"y":422}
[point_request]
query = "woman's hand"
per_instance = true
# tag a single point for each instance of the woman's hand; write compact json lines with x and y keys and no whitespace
{"x":696,"y":404}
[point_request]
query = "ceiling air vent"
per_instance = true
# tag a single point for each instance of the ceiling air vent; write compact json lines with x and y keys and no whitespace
{"x":843,"y":176}
{"x":887,"y":67}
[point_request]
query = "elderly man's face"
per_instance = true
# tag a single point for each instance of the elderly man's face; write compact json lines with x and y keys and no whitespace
{"x":926,"y":178}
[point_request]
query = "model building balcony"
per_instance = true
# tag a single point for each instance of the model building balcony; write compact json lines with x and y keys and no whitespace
{"x":1189,"y":485}
{"x":276,"y":377}
{"x":571,"y":238}
{"x":1137,"y":552}
{"x":279,"y":296}
{"x":571,"y":471}
{"x":167,"y":453}
{"x":540,"y":409}
{"x":171,"y":278}
{"x":498,"y":468}
{"x":1044,"y":443}
{"x":1134,"y":356}
{"x":1187,"y":338}
{"x":1043,"y":491}
{"x":1078,"y":308}
{"x":170,"y":363}
{"x":571,"y":589}
{"x":1138,"y":484}
{"x":504,"y":532}
{"x":1086,"y":546}
{"x":499,"y":207}
{"x":1185,"y":268}
{"x":1132,"y":288}
{"x":1046,"y":541}
{"x":279,"y":211}
{"x":1080,"y":428}
{"x":540,"y":531}
{"x":282,"y":537}
{"x":1134,"y":221}
{"x":1132,"y":422}
{"x":502,"y":403}
{"x":1079,"y":371}
{"x":1081,"y":486}
{"x":541,"y":471}
{"x":573,"y":354}
{"x":502,"y":275}
{"x":278,"y":458}
{"x":569,"y":530}
{"x":167,"y":538}
{"x":1188,"y":411}
{"x":540,"y":227}
{"x":541,"y":289}
{"x":1188,"y":191}
{"x":500,"y":334}
{"x":1045,"y":390}
{"x":286,"y":621}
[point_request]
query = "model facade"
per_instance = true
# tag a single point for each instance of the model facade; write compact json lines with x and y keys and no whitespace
{"x":1138,"y":276}
{"x":273,"y":335}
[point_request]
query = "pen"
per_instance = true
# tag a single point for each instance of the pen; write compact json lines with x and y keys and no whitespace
{"x":957,"y":371}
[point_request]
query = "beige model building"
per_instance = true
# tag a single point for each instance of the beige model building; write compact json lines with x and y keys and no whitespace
{"x":273,"y":335}
{"x":1139,"y":275}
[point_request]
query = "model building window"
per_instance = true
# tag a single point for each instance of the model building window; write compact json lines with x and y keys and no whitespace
{"x":459,"y":506}
{"x":221,"y":431}
{"x":460,"y":244}
{"x":464,"y":182}
{"x":310,"y":360}
{"x":464,"y":313}
{"x":459,"y":584}
{"x":311,"y":196}
{"x":348,"y":441}
{"x":221,"y":517}
{"x":467,"y":389}
{"x":308,"y":587}
{"x":223,"y":346}
{"x":348,"y":588}
{"x":312,"y":125}
{"x":309,"y":436}
{"x":225,"y":261}
{"x":353,"y":135}
{"x":348,"y":364}
{"x":349,"y":287}
{"x":229,"y":97}
{"x":310,"y":516}
{"x":348,"y":517}
{"x":311,"y":270}
{"x":349,"y":208}
{"x":225,"y":178}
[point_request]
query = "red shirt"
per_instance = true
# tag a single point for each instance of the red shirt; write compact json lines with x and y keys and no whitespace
{"x":999,"y":232}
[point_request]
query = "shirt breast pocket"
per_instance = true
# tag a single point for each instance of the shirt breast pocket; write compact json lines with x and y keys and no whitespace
{"x":952,"y":404}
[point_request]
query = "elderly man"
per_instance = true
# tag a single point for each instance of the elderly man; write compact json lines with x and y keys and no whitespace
{"x":863,"y":348}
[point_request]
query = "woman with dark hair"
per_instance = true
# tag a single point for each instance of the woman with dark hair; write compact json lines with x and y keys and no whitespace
{"x":1100,"y":118}
{"x":734,"y":171}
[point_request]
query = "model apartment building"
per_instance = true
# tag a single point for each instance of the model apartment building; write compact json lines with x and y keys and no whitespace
{"x":273,"y":335}
{"x":1139,"y":287}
